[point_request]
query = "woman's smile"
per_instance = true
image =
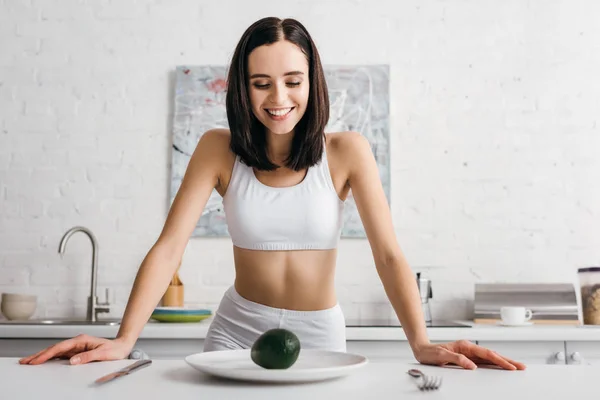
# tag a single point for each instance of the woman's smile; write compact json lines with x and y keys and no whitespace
{"x":279,"y":114}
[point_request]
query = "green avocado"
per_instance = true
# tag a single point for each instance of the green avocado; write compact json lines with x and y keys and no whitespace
{"x":276,"y":349}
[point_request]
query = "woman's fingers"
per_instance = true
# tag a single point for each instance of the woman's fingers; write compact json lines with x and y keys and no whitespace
{"x":89,"y":356}
{"x":49,"y":353}
{"x":80,"y":350}
{"x":519,"y":365}
{"x":25,"y":360}
{"x":466,"y":355}
{"x":491,"y":357}
{"x":461,"y":360}
{"x":59,"y":349}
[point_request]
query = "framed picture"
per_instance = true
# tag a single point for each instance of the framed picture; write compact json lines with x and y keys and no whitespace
{"x":359,"y":101}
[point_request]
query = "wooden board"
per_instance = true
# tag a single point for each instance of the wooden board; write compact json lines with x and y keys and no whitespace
{"x":535,"y":322}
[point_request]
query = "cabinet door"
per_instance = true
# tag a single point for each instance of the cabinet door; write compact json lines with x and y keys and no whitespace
{"x":380,"y":350}
{"x":538,"y":352}
{"x":583,"y":353}
{"x":169,"y":349}
{"x":24,"y":347}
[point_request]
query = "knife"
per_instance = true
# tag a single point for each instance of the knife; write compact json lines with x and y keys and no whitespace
{"x":136,"y":366}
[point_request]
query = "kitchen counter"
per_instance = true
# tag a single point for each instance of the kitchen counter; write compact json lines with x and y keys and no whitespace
{"x":156,"y":330}
{"x":379,"y":379}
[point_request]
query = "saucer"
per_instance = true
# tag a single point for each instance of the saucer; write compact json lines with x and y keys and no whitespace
{"x":180,"y":314}
{"x":528,"y":323}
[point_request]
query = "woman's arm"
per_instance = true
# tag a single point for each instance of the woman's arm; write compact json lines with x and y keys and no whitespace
{"x":159,"y":265}
{"x":155,"y":272}
{"x":393,"y":269}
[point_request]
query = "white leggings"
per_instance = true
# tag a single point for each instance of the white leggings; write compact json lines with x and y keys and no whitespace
{"x":238,"y":322}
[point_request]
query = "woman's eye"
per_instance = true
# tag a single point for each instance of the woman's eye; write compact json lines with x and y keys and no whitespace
{"x":266,"y":85}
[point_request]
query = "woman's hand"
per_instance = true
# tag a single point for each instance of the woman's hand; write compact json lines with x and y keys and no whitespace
{"x":465,"y":354}
{"x":82,"y":349}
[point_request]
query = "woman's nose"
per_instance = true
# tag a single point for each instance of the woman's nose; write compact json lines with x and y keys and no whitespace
{"x":278,"y":95}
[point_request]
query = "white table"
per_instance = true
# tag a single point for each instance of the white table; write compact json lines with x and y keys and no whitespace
{"x":174,"y":379}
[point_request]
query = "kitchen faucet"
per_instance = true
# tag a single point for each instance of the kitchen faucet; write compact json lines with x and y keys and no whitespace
{"x":93,"y":306}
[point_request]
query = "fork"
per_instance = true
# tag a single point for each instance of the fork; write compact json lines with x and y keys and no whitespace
{"x":426,"y":382}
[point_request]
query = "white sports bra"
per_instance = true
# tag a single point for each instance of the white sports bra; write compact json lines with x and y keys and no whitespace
{"x":305,"y":216}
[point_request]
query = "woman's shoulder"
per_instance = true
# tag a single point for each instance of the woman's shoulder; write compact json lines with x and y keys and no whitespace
{"x":217,"y":140}
{"x":217,"y":137}
{"x":345,"y":144}
{"x":348,"y":151}
{"x":214,"y":144}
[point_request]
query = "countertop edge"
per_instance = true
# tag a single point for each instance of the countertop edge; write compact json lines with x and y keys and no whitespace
{"x":198,"y":331}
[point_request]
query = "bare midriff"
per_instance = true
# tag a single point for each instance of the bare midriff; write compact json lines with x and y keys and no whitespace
{"x":300,"y":280}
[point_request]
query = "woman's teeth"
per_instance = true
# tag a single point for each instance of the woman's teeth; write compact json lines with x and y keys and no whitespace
{"x":280,"y":112}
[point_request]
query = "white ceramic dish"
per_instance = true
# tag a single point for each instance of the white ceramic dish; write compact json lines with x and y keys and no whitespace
{"x":312,"y":365}
{"x":18,"y":310}
{"x":18,"y":297}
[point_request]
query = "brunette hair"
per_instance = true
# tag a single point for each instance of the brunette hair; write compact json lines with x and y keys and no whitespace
{"x":248,"y":136}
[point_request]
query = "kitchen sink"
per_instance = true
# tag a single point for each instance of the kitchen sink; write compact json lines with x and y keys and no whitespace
{"x":62,"y":322}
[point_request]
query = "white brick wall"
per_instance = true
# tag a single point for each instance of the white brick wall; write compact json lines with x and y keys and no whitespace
{"x":494,"y":124}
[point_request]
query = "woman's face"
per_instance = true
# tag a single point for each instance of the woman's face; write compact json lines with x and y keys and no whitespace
{"x":278,"y":85}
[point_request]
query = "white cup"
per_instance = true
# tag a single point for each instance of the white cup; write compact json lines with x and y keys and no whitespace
{"x":515,"y":315}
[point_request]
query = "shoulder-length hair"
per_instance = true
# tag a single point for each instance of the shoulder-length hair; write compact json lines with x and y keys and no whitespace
{"x":248,"y":136}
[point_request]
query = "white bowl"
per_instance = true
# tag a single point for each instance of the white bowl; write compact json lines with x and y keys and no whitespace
{"x":18,"y":310}
{"x":18,"y":297}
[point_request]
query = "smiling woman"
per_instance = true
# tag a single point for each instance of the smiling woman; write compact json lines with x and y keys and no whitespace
{"x":277,"y":64}
{"x":281,"y":96}
{"x":284,"y":182}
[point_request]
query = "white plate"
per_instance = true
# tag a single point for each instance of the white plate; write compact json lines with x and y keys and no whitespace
{"x":312,"y":365}
{"x":521,"y":324}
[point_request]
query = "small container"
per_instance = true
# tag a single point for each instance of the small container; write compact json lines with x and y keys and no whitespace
{"x":589,"y":282}
{"x":426,"y":293}
{"x":18,"y":307}
{"x":173,"y":296}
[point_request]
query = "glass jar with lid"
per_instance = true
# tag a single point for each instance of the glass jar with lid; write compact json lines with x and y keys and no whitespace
{"x":589,"y":282}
